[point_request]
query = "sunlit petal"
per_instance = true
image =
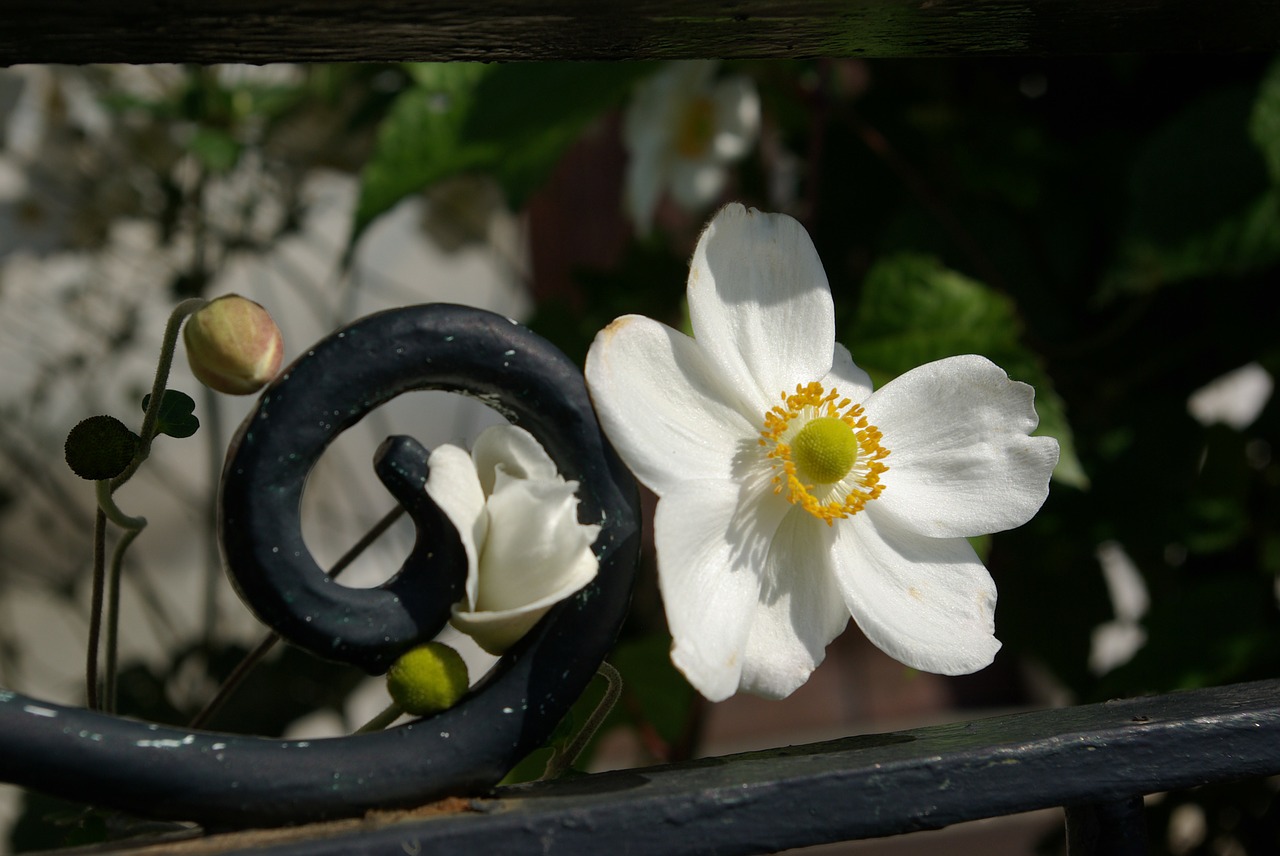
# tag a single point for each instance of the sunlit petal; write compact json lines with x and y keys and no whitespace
{"x":662,"y":404}
{"x":926,"y":602}
{"x":800,"y":609}
{"x":759,"y":303}
{"x":961,"y":462}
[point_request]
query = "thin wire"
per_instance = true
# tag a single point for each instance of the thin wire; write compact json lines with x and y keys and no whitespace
{"x":269,"y":641}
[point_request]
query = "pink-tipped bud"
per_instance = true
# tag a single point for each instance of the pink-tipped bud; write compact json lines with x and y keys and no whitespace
{"x":233,"y":345}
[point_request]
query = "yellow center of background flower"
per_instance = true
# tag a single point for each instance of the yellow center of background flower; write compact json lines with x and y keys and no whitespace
{"x":696,"y":128}
{"x":826,"y":457}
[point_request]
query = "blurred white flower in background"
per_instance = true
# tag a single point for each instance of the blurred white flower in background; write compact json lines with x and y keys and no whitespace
{"x":682,"y":129}
{"x":1115,"y":642}
{"x":1235,"y":399}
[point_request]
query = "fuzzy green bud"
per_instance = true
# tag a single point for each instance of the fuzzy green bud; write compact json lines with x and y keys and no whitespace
{"x":100,"y":447}
{"x":428,"y":679}
{"x":233,"y":345}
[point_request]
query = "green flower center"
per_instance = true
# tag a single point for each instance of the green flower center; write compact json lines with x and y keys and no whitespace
{"x":825,"y":450}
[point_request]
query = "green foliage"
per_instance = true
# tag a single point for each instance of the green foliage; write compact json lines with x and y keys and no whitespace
{"x":1201,"y":204}
{"x":511,"y":121}
{"x":176,"y":416}
{"x":914,"y":311}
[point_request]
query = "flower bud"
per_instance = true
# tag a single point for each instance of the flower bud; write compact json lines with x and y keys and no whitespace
{"x":428,"y":679}
{"x":233,"y":345}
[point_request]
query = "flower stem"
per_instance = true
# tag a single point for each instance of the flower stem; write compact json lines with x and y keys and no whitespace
{"x":389,"y":715}
{"x":95,"y":608}
{"x":108,"y":510}
{"x":563,"y":759}
{"x":167,"y":347}
{"x":113,"y":618}
{"x":107,"y":503}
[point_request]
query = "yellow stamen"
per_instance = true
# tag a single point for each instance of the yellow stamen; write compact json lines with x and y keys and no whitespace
{"x":826,"y":457}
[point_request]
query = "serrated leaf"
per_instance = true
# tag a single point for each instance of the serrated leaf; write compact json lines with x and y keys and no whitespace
{"x":176,"y":416}
{"x":914,"y":311}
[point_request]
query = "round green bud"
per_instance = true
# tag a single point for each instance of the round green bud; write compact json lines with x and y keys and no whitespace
{"x":100,"y":447}
{"x":428,"y":679}
{"x":233,"y":345}
{"x":825,"y":450}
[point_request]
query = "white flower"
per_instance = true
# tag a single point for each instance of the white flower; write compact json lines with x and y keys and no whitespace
{"x":681,"y":129}
{"x":790,"y":495}
{"x":518,"y":521}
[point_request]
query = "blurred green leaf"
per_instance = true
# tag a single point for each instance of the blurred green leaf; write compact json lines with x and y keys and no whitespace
{"x":216,"y":149}
{"x":512,"y":121}
{"x":1264,"y":122}
{"x":419,"y":141}
{"x":914,"y":311}
{"x":1201,"y":202}
{"x":658,"y":694}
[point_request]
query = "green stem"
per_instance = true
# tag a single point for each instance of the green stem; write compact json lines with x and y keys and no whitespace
{"x":167,"y":347}
{"x":107,"y":503}
{"x":95,"y":608}
{"x":392,"y":712}
{"x":113,"y":618}
{"x":108,"y":510}
{"x":563,"y":759}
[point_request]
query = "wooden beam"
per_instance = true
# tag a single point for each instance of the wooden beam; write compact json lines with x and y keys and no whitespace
{"x":260,"y":31}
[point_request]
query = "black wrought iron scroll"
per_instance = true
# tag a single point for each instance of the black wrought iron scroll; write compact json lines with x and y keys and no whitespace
{"x":168,"y":772}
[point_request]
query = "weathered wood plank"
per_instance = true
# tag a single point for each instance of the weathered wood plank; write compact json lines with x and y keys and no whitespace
{"x":144,"y":31}
{"x":857,"y":787}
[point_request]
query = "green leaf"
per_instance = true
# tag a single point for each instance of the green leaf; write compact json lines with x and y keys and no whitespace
{"x":914,"y":311}
{"x":177,"y":414}
{"x":1264,"y":121}
{"x":1201,"y":202}
{"x":511,"y":121}
{"x":214,"y":148}
{"x":419,"y":141}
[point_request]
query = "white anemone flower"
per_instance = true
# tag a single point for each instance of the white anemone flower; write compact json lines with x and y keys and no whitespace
{"x":790,"y":496}
{"x":517,"y":518}
{"x":681,"y":129}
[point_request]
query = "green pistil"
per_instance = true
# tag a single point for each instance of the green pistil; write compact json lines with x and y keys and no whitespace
{"x":825,"y":450}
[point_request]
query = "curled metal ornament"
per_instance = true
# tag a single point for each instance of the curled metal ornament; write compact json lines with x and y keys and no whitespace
{"x":234,"y":780}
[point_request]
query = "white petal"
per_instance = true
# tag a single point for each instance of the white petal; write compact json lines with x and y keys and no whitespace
{"x":453,"y":485}
{"x":536,"y":546}
{"x":960,"y":461}
{"x":800,"y":610}
{"x":760,"y":304}
{"x":737,"y":106}
{"x":696,"y":184}
{"x":709,"y":561}
{"x":852,"y":382}
{"x":513,"y":450}
{"x":662,"y":406}
{"x":537,"y":554}
{"x":927,"y":602}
